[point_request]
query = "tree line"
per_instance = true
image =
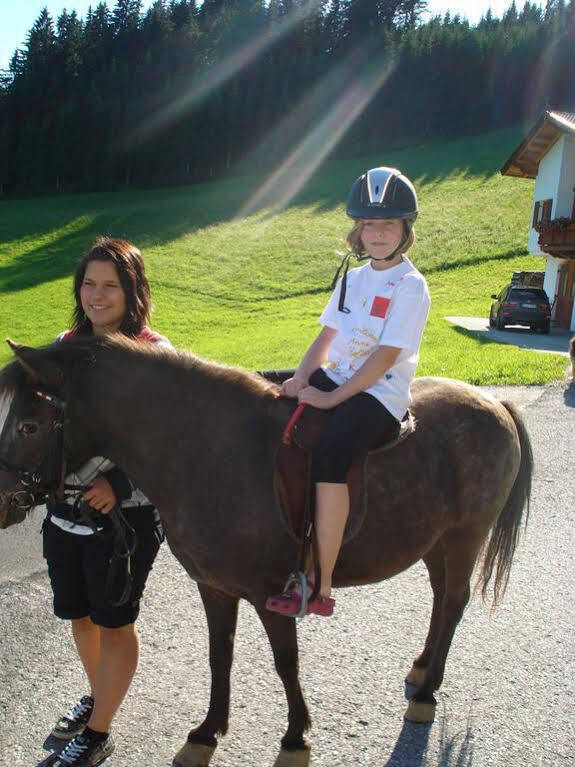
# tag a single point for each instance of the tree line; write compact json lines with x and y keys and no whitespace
{"x":187,"y":91}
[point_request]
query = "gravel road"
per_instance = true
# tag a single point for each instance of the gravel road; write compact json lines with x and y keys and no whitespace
{"x":507,"y":698}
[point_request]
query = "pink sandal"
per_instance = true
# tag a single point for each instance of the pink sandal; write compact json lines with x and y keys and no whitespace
{"x":286,"y":603}
{"x":321,"y":606}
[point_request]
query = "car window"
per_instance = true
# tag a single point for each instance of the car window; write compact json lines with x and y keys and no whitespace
{"x":528,"y":294}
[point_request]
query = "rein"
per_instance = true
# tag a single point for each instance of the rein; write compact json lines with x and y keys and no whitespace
{"x":298,"y":579}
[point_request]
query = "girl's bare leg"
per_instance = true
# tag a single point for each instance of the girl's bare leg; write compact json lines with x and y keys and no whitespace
{"x":332,"y":510}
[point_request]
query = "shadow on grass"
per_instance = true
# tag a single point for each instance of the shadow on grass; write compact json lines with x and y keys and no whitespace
{"x":156,"y":217}
{"x":45,"y":263}
{"x":161,"y":215}
{"x":447,"y":266}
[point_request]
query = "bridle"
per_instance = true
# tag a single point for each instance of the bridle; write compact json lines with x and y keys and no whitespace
{"x":43,"y":485}
{"x":46,"y":481}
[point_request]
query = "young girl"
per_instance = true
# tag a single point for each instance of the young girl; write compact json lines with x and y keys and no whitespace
{"x":112,"y":295}
{"x":361,"y":364}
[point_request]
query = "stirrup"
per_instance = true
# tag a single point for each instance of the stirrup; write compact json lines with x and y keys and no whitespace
{"x":294,"y":581}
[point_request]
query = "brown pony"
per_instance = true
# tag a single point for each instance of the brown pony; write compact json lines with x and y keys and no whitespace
{"x":200,"y":439}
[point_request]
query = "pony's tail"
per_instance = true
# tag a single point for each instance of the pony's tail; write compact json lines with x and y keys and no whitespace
{"x":505,"y":534}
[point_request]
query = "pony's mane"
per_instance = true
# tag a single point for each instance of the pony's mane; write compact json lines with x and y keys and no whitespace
{"x":86,"y":349}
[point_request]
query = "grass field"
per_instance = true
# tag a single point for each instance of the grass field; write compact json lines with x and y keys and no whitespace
{"x":248,"y":290}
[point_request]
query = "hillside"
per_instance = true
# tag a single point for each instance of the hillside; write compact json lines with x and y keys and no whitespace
{"x":248,"y":289}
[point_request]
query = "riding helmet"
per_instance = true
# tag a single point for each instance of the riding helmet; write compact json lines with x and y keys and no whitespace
{"x":383,"y":193}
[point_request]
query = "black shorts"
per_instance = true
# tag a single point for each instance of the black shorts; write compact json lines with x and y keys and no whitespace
{"x":78,"y":567}
{"x":355,"y":427}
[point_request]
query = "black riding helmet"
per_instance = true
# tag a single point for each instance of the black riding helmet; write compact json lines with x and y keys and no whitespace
{"x":379,"y":193}
{"x":382,"y":193}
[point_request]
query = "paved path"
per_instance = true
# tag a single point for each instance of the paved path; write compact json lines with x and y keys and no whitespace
{"x":556,"y":342}
{"x":507,"y":698}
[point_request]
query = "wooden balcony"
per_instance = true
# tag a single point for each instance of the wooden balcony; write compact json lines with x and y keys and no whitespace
{"x":557,"y":237}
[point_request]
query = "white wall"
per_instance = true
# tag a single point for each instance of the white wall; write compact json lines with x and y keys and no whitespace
{"x":547,"y":186}
{"x":550,"y":279}
{"x":566,"y":179}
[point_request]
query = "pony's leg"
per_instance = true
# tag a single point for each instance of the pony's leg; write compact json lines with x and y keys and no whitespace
{"x":222,"y":615}
{"x":434,"y":561}
{"x":460,"y":549}
{"x":281,"y":631}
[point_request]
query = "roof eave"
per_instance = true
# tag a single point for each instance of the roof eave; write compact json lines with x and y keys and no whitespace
{"x":520,"y":166}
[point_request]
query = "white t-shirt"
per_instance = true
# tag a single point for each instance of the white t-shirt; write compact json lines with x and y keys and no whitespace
{"x":387,"y":308}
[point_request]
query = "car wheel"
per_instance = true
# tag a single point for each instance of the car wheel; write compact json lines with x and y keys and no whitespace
{"x":546,"y":328}
{"x":491,"y":320}
{"x":500,"y":324}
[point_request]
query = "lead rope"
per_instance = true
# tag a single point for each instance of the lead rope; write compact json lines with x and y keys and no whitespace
{"x":125,"y":541}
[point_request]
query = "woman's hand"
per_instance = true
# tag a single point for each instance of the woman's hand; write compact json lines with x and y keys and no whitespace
{"x":324,"y":400}
{"x":291,"y":386}
{"x":100,"y":496}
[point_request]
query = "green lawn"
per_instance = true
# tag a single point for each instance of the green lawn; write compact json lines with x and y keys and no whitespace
{"x":248,"y":290}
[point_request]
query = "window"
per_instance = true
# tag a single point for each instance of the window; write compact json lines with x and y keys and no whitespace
{"x":541,"y":212}
{"x":528,"y":294}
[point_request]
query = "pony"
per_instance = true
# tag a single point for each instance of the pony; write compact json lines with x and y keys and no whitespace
{"x":201,"y":439}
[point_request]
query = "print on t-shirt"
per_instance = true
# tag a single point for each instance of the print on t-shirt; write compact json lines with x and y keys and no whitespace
{"x":379,"y":306}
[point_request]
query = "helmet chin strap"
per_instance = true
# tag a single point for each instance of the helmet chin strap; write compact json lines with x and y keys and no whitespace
{"x":345,"y":264}
{"x":386,"y":258}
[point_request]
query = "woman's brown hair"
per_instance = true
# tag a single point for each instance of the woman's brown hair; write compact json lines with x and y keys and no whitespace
{"x":127,"y":259}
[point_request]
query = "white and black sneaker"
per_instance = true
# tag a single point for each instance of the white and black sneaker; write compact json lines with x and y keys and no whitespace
{"x":87,"y":749}
{"x":74,"y":720}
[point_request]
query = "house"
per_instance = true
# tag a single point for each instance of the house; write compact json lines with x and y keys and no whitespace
{"x":547,"y":154}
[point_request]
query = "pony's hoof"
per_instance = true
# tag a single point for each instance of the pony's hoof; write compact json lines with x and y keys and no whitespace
{"x":296,"y":758}
{"x":416,"y":675}
{"x":420,"y":713}
{"x":193,"y":755}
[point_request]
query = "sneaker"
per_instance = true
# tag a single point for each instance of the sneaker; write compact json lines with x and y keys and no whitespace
{"x":84,"y":751}
{"x":74,"y":720}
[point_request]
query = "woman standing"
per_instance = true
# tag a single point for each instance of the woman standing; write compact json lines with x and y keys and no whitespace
{"x":112,"y":295}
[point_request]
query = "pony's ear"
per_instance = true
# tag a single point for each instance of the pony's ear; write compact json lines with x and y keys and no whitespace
{"x":37,"y":365}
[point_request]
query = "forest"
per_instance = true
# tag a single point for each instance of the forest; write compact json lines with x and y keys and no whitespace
{"x":186,"y":91}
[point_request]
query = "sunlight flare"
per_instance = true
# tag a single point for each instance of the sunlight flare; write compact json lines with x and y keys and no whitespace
{"x":291,"y":175}
{"x":212,"y":78}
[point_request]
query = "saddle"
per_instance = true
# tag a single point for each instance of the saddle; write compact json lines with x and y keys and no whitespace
{"x":292,"y":473}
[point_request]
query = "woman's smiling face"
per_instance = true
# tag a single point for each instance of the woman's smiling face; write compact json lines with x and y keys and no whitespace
{"x":102,"y":297}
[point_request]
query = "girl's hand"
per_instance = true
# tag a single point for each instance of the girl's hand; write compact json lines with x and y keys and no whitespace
{"x":325,"y":400}
{"x":100,"y":496}
{"x":292,"y":386}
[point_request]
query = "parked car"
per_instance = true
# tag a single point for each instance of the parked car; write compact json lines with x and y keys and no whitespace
{"x":517,"y":305}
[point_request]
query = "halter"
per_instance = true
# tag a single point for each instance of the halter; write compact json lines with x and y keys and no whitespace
{"x":54,"y":488}
{"x":43,"y":485}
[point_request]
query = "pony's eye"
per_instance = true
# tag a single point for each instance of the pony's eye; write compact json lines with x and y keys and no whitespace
{"x":27,"y":427}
